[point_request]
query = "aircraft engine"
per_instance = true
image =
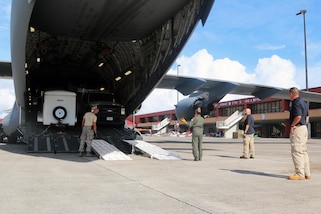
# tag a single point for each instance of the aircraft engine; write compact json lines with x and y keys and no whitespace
{"x":10,"y":124}
{"x":185,"y":108}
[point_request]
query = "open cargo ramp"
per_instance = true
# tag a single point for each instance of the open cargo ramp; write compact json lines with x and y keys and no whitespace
{"x":106,"y":151}
{"x":152,"y":150}
{"x":55,"y":144}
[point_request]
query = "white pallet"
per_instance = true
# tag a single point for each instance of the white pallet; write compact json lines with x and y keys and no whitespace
{"x":154,"y":151}
{"x":107,"y":151}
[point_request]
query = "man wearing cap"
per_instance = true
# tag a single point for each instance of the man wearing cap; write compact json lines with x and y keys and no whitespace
{"x":197,"y":126}
{"x":89,"y":130}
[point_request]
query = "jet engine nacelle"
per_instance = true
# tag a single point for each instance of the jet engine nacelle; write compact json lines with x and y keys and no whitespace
{"x":10,"y":122}
{"x":186,"y":107}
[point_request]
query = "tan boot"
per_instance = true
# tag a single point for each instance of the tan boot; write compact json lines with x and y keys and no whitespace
{"x":296,"y":177}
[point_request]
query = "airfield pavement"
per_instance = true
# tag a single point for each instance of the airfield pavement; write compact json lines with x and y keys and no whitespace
{"x":220,"y":183}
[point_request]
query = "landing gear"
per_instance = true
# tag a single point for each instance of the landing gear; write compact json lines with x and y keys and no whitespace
{"x":12,"y":138}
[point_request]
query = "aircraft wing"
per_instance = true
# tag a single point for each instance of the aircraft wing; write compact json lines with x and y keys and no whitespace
{"x":5,"y":70}
{"x":188,"y":85}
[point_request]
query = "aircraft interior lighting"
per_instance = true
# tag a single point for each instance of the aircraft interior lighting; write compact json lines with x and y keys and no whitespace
{"x":128,"y":73}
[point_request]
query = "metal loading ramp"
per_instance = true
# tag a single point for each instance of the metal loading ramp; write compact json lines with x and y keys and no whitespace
{"x":106,"y":151}
{"x":46,"y":143}
{"x":154,"y":151}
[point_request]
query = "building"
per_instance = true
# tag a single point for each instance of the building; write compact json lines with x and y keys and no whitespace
{"x":271,"y":117}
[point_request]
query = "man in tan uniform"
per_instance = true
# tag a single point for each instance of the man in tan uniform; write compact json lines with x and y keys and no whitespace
{"x":89,"y":129}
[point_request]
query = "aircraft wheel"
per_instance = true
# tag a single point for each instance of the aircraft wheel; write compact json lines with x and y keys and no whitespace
{"x":12,"y":138}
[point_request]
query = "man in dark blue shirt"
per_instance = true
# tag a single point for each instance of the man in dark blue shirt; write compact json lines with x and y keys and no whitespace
{"x":299,"y":119}
{"x":248,"y":136}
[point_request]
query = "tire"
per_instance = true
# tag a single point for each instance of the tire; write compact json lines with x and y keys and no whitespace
{"x":12,"y":138}
{"x":59,"y":113}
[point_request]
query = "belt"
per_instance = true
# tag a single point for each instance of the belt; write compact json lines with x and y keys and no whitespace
{"x":297,"y":125}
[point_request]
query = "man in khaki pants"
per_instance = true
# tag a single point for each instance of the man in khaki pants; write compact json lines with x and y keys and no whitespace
{"x":299,"y":118}
{"x":248,"y":136}
{"x":89,"y":129}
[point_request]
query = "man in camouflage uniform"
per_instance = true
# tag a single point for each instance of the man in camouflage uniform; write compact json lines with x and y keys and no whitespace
{"x":89,"y":130}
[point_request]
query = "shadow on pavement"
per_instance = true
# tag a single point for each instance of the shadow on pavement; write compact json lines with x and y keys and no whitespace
{"x":256,"y":173}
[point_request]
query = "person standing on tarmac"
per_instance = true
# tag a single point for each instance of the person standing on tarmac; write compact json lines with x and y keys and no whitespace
{"x":89,"y":130}
{"x":197,"y":126}
{"x":248,"y":136}
{"x":299,"y":118}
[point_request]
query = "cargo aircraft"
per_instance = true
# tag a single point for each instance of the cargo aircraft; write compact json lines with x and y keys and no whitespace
{"x":69,"y":55}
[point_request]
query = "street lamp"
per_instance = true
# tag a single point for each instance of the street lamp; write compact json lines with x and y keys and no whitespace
{"x":303,"y":11}
{"x":177,"y":123}
{"x":305,"y":48}
{"x":177,"y":69}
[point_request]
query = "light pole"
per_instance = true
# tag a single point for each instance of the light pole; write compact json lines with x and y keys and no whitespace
{"x":177,"y":123}
{"x":303,"y":11}
{"x":177,"y":69}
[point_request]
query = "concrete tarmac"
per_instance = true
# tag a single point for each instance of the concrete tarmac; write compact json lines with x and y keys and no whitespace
{"x":220,"y":183}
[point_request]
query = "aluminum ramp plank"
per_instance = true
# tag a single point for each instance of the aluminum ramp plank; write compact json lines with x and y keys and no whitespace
{"x":107,"y":151}
{"x":154,"y":151}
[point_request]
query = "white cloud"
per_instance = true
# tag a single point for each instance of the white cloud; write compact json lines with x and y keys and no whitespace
{"x":160,"y":99}
{"x":203,"y":64}
{"x":273,"y":71}
{"x":7,"y":95}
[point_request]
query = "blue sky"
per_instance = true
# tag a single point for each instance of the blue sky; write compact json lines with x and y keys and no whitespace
{"x":252,"y":41}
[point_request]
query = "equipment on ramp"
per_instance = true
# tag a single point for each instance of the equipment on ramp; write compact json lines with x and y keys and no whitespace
{"x":106,"y":151}
{"x":152,"y":150}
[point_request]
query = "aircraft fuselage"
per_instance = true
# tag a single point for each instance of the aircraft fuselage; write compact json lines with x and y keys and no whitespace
{"x":116,"y":48}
